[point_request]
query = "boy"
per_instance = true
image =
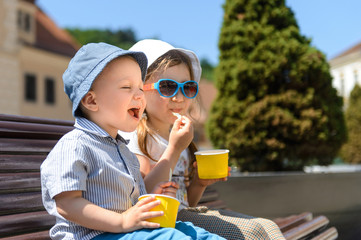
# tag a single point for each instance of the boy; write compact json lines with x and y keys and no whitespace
{"x":90,"y":180}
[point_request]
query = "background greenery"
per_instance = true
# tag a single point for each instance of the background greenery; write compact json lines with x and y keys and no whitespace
{"x":276,"y":108}
{"x":124,"y":39}
{"x":351,"y":151}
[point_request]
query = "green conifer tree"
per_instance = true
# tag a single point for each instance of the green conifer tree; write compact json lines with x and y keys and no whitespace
{"x":351,"y":150}
{"x":276,"y":108}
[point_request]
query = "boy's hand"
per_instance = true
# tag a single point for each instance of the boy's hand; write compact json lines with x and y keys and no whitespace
{"x":135,"y":217}
{"x":181,"y":134}
{"x":166,"y":188}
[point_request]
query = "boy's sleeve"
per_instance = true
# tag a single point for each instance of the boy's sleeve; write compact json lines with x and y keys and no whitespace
{"x":64,"y":169}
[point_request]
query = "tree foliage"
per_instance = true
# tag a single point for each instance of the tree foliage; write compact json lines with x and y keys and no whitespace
{"x":121,"y":38}
{"x":351,"y":150}
{"x":207,"y":70}
{"x":124,"y":39}
{"x":276,"y":108}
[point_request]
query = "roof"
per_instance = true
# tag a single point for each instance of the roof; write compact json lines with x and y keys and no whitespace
{"x":52,"y":38}
{"x":354,"y":49}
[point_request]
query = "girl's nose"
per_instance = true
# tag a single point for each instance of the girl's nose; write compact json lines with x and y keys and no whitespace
{"x":179,"y":97}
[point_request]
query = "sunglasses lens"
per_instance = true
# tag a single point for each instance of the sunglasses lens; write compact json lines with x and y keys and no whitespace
{"x":190,"y":89}
{"x":167,"y":88}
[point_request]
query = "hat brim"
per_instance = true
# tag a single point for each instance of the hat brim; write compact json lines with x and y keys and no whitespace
{"x":84,"y":88}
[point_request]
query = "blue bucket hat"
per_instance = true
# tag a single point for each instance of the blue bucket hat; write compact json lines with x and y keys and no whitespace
{"x":88,"y":63}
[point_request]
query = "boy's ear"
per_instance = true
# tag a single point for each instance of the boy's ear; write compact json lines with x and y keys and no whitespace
{"x":89,"y":101}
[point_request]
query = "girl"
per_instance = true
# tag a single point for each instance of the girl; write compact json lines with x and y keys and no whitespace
{"x":170,"y":89}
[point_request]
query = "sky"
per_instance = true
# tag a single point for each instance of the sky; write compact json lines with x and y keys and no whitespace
{"x":333,"y":25}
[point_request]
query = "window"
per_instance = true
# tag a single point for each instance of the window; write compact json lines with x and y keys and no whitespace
{"x":355,"y":76}
{"x":30,"y":87}
{"x":342,"y":85}
{"x":24,"y":21}
{"x":49,"y":91}
{"x":27,"y":23}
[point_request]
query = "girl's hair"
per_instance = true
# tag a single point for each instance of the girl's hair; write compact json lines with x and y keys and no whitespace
{"x":167,"y":60}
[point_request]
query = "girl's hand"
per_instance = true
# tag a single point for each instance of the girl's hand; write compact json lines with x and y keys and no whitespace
{"x":207,"y":182}
{"x":181,"y":134}
{"x":135,"y":217}
{"x":166,"y":188}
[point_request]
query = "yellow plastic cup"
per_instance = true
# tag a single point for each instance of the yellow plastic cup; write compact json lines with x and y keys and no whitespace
{"x":212,"y":164}
{"x":169,"y":205}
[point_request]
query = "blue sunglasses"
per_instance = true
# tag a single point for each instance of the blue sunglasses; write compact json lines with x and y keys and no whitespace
{"x":169,"y":88}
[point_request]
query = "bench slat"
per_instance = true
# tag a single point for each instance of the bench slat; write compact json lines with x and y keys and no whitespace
{"x":23,"y":146}
{"x":43,"y":235}
{"x":20,"y":202}
{"x":306,"y":228}
{"x":28,"y":119}
{"x":25,"y":223}
{"x":32,"y":130}
{"x":10,"y":182}
{"x":329,"y":234}
{"x":21,"y":163}
{"x":292,"y":221}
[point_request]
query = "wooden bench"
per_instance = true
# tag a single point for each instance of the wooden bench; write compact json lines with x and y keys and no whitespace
{"x":294,"y":227}
{"x":24,"y":144}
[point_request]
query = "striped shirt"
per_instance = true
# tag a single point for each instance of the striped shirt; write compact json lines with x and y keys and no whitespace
{"x":90,"y":160}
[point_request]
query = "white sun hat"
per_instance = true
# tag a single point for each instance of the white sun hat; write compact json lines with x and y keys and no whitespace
{"x":153,"y":49}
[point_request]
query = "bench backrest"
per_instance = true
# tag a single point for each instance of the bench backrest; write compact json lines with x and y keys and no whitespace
{"x":24,"y":144}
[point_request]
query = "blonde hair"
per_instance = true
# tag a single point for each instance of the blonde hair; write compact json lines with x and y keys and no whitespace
{"x":167,"y":60}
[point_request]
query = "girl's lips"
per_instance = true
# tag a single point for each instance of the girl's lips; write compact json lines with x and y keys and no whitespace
{"x":176,"y":110}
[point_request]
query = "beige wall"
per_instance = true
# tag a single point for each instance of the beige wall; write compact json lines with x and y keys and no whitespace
{"x":9,"y":84}
{"x":17,"y":59}
{"x":8,"y":27}
{"x":44,"y":64}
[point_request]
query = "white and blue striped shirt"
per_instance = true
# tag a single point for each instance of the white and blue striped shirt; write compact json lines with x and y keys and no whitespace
{"x":90,"y":160}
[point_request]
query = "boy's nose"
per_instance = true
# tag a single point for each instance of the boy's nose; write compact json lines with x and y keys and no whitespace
{"x":139,"y":94}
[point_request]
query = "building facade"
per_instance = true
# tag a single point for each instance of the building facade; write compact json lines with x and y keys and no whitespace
{"x":34,"y":53}
{"x":346,"y":71}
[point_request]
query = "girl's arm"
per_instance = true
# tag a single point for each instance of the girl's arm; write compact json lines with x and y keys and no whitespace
{"x":72,"y":206}
{"x":197,"y":186}
{"x":179,"y":139}
{"x":159,"y":172}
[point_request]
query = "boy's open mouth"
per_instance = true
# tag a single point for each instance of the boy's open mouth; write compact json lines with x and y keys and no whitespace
{"x":134,"y":112}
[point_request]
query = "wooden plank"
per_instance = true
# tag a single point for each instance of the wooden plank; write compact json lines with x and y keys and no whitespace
{"x":292,"y":221}
{"x":26,"y":146}
{"x":43,"y":235}
{"x":20,"y":202}
{"x":10,"y":182}
{"x":25,"y":223}
{"x":306,"y":228}
{"x":17,"y":118}
{"x":329,"y":234}
{"x":32,"y":130}
{"x":21,"y":163}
